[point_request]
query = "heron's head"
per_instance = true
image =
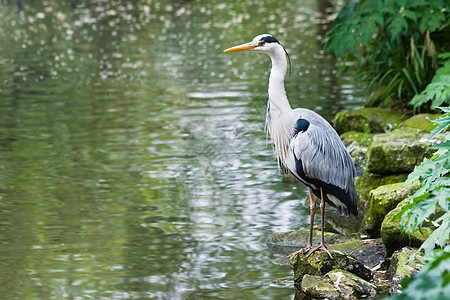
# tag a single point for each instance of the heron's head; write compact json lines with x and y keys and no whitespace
{"x":262,"y":43}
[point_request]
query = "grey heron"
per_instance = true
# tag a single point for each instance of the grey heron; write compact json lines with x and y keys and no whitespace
{"x":306,"y":145}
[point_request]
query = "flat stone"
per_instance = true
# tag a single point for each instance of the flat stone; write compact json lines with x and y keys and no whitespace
{"x":290,"y":241}
{"x":370,"y":252}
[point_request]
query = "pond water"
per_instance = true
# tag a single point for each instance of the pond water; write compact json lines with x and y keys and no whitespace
{"x":133,"y":158}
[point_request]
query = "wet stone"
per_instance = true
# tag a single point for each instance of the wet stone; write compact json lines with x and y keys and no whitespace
{"x":400,"y":268}
{"x":350,"y":285}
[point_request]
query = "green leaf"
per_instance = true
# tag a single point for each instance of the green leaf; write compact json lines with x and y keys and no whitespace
{"x":439,"y":236}
{"x":398,"y":25}
{"x":442,"y":123}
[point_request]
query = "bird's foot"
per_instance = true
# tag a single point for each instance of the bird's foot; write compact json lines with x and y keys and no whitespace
{"x":321,"y":247}
{"x":302,"y":250}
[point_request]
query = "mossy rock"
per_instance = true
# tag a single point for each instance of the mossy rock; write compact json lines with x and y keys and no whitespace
{"x":382,"y":200}
{"x":371,"y":181}
{"x":398,"y":151}
{"x":319,"y":287}
{"x":421,"y":121}
{"x":369,"y":120}
{"x":319,"y":263}
{"x":400,"y":267}
{"x":351,"y":286}
{"x":394,"y":239}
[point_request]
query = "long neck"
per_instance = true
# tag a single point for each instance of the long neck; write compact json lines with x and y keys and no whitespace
{"x":277,"y":94}
{"x":278,"y":110}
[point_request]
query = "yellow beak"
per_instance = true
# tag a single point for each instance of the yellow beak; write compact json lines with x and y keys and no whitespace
{"x":246,"y":46}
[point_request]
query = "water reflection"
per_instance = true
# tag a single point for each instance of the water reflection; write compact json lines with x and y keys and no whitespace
{"x":133,"y":158}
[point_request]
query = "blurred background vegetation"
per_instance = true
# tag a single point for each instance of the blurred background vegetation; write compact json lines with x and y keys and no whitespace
{"x":401,"y":48}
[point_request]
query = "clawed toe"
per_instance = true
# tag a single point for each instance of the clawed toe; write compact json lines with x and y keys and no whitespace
{"x":321,"y":247}
{"x":302,"y":250}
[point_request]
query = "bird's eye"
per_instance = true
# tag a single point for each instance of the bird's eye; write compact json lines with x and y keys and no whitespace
{"x":261,"y":43}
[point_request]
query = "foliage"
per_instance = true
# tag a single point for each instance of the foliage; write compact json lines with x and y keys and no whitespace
{"x":433,"y":195}
{"x":438,"y":91}
{"x":396,"y":43}
{"x":434,"y":190}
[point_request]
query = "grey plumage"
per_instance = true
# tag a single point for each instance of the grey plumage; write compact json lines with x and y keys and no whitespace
{"x":324,"y":158}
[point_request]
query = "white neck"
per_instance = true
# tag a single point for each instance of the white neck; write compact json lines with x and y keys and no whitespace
{"x":277,"y":119}
{"x":277,"y":94}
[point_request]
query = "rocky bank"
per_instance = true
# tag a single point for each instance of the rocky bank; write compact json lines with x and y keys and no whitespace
{"x":369,"y":257}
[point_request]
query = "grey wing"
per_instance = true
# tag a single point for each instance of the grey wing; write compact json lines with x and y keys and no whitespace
{"x":323,"y":156}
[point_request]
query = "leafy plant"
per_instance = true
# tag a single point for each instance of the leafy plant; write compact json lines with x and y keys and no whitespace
{"x":438,"y":91}
{"x":395,"y":42}
{"x":433,"y":281}
{"x":434,"y":190}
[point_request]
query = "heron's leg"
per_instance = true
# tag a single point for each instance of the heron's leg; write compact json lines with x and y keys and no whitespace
{"x":312,"y":208}
{"x":322,"y":223}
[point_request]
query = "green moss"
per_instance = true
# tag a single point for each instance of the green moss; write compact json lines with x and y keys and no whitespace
{"x":370,"y":181}
{"x":421,"y":121}
{"x":318,"y":287}
{"x":382,"y":200}
{"x":299,"y":238}
{"x":398,"y":151}
{"x":369,"y":120}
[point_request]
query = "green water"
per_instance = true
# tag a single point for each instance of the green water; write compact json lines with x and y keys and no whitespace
{"x":133,"y":158}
